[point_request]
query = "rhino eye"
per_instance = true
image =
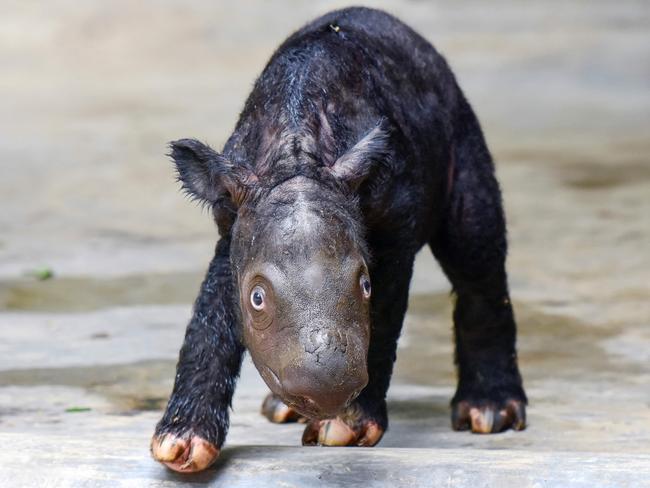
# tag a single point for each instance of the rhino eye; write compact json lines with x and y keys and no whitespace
{"x":257,"y":297}
{"x":365,"y":286}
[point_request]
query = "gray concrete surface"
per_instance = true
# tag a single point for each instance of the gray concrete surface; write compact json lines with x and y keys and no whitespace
{"x":90,"y":94}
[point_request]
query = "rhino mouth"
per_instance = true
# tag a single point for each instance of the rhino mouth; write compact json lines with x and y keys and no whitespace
{"x":303,"y":405}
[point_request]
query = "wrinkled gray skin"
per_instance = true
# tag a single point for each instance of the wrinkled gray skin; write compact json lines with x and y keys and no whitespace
{"x":310,"y":340}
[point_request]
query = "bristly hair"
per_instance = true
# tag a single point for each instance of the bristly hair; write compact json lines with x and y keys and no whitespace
{"x":207,"y":176}
{"x":188,"y":194}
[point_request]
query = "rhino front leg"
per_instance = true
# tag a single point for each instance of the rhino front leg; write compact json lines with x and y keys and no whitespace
{"x":193,"y":428}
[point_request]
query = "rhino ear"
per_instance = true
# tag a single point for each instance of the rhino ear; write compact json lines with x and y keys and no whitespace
{"x":357,"y":163}
{"x":207,"y":175}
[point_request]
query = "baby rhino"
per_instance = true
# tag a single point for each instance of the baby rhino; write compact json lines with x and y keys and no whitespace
{"x":355,"y":148}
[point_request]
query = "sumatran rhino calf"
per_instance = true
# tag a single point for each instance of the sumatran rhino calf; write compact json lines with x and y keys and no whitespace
{"x":355,"y":149}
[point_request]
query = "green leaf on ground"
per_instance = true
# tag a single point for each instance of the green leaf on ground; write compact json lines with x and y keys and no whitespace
{"x":77,"y":409}
{"x":41,"y":274}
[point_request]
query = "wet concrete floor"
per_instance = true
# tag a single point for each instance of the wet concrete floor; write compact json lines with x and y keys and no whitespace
{"x":90,"y":96}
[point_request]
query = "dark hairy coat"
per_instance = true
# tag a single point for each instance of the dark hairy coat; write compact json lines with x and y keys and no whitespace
{"x":370,"y":119}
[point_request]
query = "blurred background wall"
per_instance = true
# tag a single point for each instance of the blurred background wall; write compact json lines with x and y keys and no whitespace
{"x":91,"y":92}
